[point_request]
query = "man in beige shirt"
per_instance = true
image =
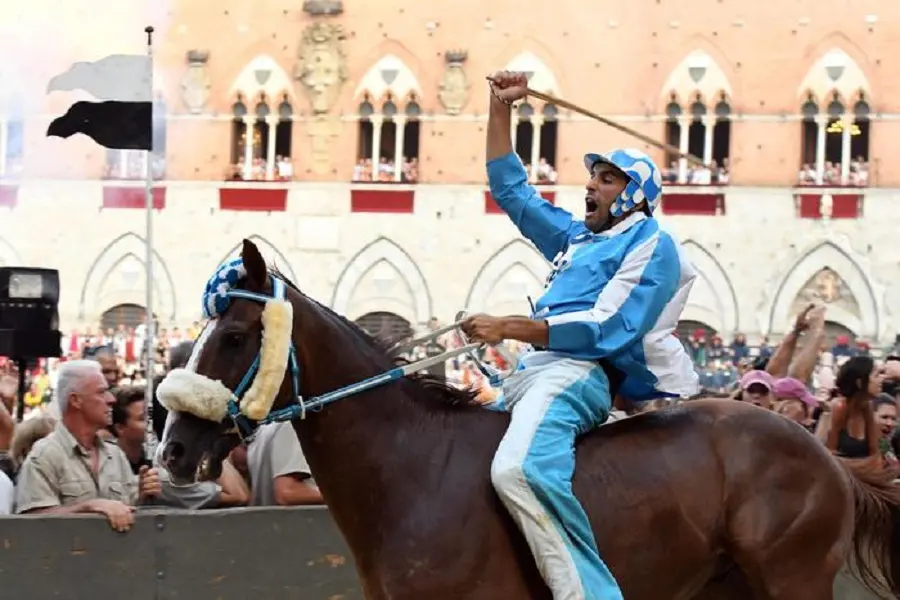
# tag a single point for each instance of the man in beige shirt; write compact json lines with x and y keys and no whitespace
{"x":72,"y":470}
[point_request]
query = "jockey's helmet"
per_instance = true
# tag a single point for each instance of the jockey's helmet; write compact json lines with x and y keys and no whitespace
{"x":644,"y":179}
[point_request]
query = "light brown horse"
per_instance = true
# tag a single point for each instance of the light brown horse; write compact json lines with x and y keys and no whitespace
{"x":713,"y":499}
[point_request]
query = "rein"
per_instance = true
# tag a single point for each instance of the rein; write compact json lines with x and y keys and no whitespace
{"x":247,"y":427}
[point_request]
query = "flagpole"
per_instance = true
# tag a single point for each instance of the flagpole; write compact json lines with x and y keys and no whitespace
{"x":150,"y":440}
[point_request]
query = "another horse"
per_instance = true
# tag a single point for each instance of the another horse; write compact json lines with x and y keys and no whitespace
{"x":712,"y":499}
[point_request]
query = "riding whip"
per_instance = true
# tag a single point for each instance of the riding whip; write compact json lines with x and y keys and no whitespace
{"x":587,"y":113}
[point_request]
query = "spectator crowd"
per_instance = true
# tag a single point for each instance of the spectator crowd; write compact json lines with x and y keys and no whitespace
{"x":81,"y":446}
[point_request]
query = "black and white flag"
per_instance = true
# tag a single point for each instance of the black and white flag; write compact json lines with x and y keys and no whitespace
{"x":122,"y":118}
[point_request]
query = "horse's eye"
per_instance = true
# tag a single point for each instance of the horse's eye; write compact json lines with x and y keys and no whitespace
{"x":234,"y":339}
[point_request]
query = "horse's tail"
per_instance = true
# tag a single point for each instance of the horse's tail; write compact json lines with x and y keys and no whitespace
{"x":876,"y":532}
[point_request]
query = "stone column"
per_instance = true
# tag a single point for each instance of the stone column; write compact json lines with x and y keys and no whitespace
{"x":684,"y":124}
{"x":536,"y":124}
{"x":822,"y":125}
{"x":708,"y":124}
{"x":123,"y":164}
{"x":846,"y":157}
{"x":376,"y":144}
{"x":514,"y":129}
{"x":248,"y":147}
{"x":272,"y":124}
{"x":400,"y":123}
{"x":4,"y":145}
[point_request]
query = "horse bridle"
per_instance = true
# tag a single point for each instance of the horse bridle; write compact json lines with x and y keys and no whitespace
{"x":246,"y":427}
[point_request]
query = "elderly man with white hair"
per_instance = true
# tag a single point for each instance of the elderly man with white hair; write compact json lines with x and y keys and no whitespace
{"x":73,"y":470}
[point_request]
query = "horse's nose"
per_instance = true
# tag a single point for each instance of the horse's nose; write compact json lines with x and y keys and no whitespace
{"x":172,"y":453}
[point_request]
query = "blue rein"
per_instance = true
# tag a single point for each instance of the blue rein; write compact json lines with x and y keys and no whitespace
{"x":247,"y":427}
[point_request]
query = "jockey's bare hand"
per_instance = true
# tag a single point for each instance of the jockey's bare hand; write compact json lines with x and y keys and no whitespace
{"x":484,"y":328}
{"x":510,"y":86}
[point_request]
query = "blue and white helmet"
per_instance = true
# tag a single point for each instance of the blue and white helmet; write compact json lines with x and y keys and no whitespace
{"x":644,"y":179}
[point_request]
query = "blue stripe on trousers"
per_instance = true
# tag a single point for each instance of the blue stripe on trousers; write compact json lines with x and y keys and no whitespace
{"x":550,"y":465}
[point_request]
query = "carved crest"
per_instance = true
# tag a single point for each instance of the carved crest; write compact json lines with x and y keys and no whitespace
{"x":196,"y":83}
{"x":322,"y":66}
{"x":454,"y":87}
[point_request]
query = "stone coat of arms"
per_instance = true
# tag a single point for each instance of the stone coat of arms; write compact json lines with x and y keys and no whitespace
{"x":322,"y":66}
{"x":454,"y":87}
{"x":196,"y":83}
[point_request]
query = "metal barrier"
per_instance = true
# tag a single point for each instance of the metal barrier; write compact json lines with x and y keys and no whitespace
{"x":238,"y":554}
{"x":235,"y":554}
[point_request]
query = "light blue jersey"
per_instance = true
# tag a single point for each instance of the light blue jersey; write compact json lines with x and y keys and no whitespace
{"x":616,"y":295}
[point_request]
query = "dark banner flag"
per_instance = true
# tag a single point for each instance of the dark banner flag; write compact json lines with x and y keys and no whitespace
{"x":122,"y":118}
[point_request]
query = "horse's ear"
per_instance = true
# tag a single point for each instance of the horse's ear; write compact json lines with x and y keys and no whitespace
{"x":257,"y":274}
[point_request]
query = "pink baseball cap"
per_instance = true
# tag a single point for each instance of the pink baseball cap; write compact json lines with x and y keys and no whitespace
{"x":757,"y":376}
{"x":790,"y":388}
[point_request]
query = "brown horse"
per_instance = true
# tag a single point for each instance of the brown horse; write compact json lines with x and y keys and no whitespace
{"x":713,"y":499}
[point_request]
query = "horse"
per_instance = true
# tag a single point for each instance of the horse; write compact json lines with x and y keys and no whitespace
{"x":709,"y":499}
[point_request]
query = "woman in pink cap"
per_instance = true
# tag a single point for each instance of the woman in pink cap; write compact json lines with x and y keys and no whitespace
{"x":794,"y":401}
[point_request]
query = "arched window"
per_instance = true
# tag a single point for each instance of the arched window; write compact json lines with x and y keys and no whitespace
{"x":673,"y":138}
{"x":284,"y":133}
{"x":859,"y":144}
{"x":549,"y":129}
{"x":239,"y":149}
{"x":523,"y":132}
{"x":411,"y":132}
{"x":809,"y":132}
{"x":721,"y":141}
{"x":834,"y":141}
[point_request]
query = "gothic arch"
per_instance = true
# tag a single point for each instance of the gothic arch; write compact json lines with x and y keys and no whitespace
{"x":269,"y":251}
{"x":111,"y":257}
{"x":541,"y":79}
{"x":828,"y":255}
{"x":8,"y":255}
{"x":263,"y":75}
{"x":389,"y":75}
{"x":720,"y":310}
{"x":382,"y":249}
{"x":697,"y":73}
{"x":834,"y":70}
{"x":515,"y":253}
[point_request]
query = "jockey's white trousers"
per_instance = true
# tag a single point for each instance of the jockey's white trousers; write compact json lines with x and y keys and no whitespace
{"x":553,"y":400}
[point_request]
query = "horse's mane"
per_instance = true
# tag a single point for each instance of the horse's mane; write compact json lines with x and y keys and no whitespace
{"x":420,"y":385}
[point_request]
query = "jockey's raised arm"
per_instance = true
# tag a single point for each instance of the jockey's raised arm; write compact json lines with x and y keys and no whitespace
{"x":547,"y":226}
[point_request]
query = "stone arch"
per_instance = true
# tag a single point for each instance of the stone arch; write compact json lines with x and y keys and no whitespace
{"x":697,"y":74}
{"x":541,"y":77}
{"x":517,"y":254}
{"x":269,"y":251}
{"x":9,"y":257}
{"x":828,"y":255}
{"x":390,"y":75}
{"x":834,"y":71}
{"x":262,"y":75}
{"x":128,"y":247}
{"x":392,"y":259}
{"x":712,"y":299}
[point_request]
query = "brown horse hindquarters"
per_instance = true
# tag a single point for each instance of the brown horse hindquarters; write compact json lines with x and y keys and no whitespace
{"x":671,"y":494}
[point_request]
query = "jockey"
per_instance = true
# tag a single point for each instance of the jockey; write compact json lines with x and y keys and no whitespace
{"x":617,"y":289}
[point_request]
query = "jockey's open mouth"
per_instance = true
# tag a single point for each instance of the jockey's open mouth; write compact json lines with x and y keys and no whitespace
{"x":590,"y":206}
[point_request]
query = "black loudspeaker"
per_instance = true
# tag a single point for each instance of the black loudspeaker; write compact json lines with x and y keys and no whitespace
{"x":29,"y":313}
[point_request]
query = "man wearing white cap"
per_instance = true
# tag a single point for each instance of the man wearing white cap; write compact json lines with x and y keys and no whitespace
{"x":617,"y":289}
